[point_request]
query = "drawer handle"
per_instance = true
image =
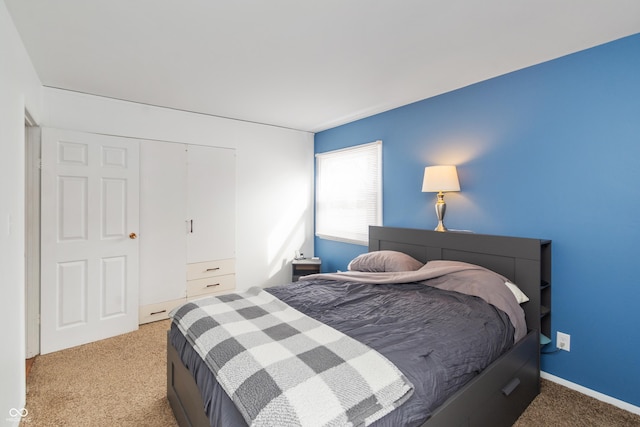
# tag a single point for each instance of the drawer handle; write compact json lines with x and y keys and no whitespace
{"x":213,"y":269}
{"x":509,"y":388}
{"x":213,"y":285}
{"x":157,"y":312}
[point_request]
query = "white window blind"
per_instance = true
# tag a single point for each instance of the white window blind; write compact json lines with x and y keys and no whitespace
{"x":349,"y":192}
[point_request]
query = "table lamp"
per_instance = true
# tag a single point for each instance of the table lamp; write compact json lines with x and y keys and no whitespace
{"x":440,"y":179}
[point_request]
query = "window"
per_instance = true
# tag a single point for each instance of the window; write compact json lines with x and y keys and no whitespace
{"x":349,"y":192}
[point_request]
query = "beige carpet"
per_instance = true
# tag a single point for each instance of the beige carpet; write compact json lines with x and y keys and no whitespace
{"x":122,"y":382}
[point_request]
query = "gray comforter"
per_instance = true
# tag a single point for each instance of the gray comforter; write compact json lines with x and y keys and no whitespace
{"x":456,"y":276}
{"x":439,"y":339}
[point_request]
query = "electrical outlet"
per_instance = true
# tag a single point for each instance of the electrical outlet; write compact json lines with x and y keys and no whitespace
{"x":563,"y":341}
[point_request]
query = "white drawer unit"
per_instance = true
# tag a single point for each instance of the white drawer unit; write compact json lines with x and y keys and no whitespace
{"x":211,"y":277}
{"x":208,"y":285}
{"x":160,"y":311}
{"x":200,"y":270}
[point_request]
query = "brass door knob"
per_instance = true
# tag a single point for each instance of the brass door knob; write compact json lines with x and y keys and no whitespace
{"x":133,"y":235}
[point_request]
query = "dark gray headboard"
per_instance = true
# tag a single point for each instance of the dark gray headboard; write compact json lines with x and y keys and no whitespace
{"x":526,"y":262}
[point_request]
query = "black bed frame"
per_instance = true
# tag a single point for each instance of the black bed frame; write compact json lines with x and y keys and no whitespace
{"x":499,"y":394}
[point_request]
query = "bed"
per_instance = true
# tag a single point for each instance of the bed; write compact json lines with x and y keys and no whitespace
{"x":496,"y":396}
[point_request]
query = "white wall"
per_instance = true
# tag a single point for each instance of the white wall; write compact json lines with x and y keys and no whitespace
{"x":274,"y":181}
{"x":274,"y":166}
{"x":20,"y":88}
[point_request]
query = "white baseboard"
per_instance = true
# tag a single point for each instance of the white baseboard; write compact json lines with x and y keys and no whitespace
{"x":12,"y":421}
{"x":592,"y":393}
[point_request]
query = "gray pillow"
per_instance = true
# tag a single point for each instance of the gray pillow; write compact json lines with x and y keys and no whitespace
{"x":381,"y":261}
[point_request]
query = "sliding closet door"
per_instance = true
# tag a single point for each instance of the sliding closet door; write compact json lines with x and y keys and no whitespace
{"x":89,"y":225}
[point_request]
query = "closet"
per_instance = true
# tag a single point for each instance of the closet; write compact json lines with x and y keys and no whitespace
{"x":187,"y":225}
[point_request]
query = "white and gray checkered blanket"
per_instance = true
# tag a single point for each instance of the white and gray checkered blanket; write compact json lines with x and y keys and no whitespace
{"x":283,"y":368}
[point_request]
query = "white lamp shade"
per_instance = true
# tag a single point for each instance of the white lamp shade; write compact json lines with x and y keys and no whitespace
{"x":440,"y":178}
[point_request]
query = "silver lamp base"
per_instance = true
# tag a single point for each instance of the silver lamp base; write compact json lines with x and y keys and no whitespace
{"x":441,"y":208}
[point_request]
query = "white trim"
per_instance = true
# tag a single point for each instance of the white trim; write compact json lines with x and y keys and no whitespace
{"x":28,"y":119}
{"x":14,"y":422}
{"x":32,"y":240}
{"x":592,"y":393}
{"x":350,"y":148}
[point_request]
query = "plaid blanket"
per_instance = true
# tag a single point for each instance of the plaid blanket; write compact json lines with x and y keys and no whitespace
{"x":283,"y":368}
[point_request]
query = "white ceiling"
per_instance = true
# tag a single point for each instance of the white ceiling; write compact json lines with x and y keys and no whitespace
{"x":301,"y":64}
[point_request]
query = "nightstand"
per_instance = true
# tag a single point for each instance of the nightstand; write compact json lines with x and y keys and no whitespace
{"x":305,"y":266}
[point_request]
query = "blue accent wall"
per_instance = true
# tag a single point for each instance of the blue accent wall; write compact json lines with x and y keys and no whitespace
{"x":551,"y":152}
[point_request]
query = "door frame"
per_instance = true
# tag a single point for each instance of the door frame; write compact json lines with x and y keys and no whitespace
{"x":32,"y":236}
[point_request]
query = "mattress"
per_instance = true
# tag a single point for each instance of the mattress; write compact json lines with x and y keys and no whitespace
{"x":439,"y":339}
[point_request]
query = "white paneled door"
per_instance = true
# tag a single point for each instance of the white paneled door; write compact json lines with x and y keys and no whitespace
{"x":89,"y":221}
